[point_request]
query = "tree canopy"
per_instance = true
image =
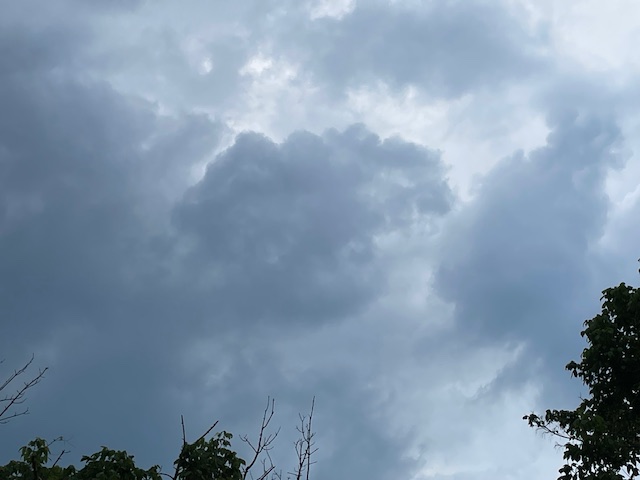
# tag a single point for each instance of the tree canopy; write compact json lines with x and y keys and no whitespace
{"x":602,"y":435}
{"x":206,"y":458}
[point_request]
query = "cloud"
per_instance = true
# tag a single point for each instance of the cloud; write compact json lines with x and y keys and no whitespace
{"x":75,"y":169}
{"x":113,"y":276}
{"x":332,"y":261}
{"x":447,"y":48}
{"x":516,"y":262}
{"x":84,"y":190}
{"x":293,"y":226}
{"x":28,"y":49}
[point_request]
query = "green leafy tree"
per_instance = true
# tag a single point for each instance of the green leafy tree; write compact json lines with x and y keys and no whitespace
{"x":209,"y":459}
{"x":602,"y":435}
{"x":204,"y":459}
{"x":34,"y":457}
{"x":113,"y":465}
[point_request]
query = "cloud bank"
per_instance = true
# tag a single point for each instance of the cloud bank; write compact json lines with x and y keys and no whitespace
{"x":403,"y":209}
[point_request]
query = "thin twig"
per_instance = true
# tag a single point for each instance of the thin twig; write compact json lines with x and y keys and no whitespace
{"x":16,"y":372}
{"x":207,"y":432}
{"x":264,"y":443}
{"x":310,"y":436}
{"x":18,"y":397}
{"x":59,"y":457}
{"x":304,"y":445}
{"x":554,"y":432}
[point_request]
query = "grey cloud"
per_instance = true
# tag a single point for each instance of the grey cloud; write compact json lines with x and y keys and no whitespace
{"x":292,"y":226}
{"x":96,"y":281}
{"x":157,"y":62}
{"x":106,"y":41}
{"x":352,"y":440}
{"x":28,"y":48}
{"x":107,"y":5}
{"x":113,"y":277}
{"x":70,"y":187}
{"x":73,"y":167}
{"x":517,"y":265}
{"x":83,"y":175}
{"x":448,"y":48}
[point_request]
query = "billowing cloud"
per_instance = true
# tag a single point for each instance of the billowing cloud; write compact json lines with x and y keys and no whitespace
{"x":113,"y":270}
{"x":202,"y":205}
{"x":517,"y":259}
{"x":447,"y":48}
{"x":293,"y":226}
{"x":87,"y":175}
{"x":78,"y":163}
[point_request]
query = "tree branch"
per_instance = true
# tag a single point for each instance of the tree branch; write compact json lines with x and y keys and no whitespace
{"x":264,"y":443}
{"x":59,"y":457}
{"x":18,"y":397}
{"x":540,"y":424}
{"x":207,"y":432}
{"x":305,"y":445}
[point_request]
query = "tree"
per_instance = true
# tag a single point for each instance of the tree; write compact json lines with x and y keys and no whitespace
{"x":602,"y":435}
{"x":9,"y":401}
{"x":32,"y":467}
{"x":202,"y":459}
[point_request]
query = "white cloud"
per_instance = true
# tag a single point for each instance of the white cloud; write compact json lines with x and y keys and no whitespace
{"x":330,"y":8}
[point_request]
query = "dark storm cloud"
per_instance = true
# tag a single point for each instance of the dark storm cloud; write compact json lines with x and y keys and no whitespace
{"x":83,"y":182}
{"x":352,"y":439}
{"x":73,"y":176}
{"x":111,"y":294}
{"x":20,"y":54}
{"x":517,"y":265}
{"x":448,"y":48}
{"x":287,"y":231}
{"x":147,"y":303}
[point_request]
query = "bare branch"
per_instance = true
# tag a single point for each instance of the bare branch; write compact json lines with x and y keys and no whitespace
{"x":59,"y":457}
{"x":17,"y":398}
{"x":264,"y":443}
{"x":16,"y":372}
{"x":267,"y":471}
{"x":309,"y":439}
{"x":207,"y":432}
{"x":305,"y":445}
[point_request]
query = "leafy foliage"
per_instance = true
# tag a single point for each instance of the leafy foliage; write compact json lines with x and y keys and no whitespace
{"x":602,"y":435}
{"x":203,"y":459}
{"x":207,"y":459}
{"x":114,"y":465}
{"x":32,"y":467}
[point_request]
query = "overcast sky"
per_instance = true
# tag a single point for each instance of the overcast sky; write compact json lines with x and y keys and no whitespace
{"x":403,"y":208}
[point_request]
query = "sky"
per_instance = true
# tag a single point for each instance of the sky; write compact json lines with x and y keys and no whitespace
{"x":405,"y":209}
